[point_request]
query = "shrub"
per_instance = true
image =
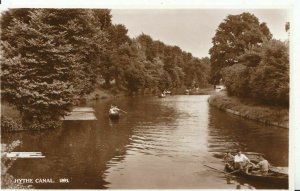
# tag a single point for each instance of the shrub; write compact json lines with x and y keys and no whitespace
{"x":269,"y":82}
{"x":8,"y":124}
{"x":7,"y":180}
{"x":236,"y":79}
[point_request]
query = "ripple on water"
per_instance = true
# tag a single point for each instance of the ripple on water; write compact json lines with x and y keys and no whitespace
{"x":160,"y":143}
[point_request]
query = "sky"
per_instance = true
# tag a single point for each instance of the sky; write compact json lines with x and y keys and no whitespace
{"x":192,"y":29}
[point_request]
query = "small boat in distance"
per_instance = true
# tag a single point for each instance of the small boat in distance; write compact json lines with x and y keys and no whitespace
{"x":113,"y":112}
{"x":167,"y":92}
{"x":162,"y":95}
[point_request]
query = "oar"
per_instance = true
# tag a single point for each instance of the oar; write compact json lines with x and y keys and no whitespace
{"x":123,"y":111}
{"x":226,"y":173}
{"x":233,"y":172}
{"x":276,"y":169}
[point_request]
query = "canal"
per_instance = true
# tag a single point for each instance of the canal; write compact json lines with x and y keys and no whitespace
{"x":159,"y":143}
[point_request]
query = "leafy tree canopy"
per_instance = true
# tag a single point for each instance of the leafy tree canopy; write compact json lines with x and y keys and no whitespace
{"x":235,"y":35}
{"x":48,"y":58}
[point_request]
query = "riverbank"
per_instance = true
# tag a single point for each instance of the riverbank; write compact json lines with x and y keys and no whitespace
{"x":98,"y":94}
{"x":11,"y":120}
{"x":270,"y":115}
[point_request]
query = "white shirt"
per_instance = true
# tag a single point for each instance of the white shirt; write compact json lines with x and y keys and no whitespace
{"x":240,"y":158}
{"x":113,"y":110}
{"x":264,"y":165}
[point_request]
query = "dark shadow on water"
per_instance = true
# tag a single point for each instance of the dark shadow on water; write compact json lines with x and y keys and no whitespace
{"x":81,"y":151}
{"x":78,"y":151}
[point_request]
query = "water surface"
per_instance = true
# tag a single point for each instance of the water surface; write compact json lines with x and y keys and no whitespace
{"x":159,"y":143}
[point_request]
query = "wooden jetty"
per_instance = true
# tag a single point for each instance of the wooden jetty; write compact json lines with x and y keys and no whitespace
{"x":81,"y":113}
{"x":24,"y":155}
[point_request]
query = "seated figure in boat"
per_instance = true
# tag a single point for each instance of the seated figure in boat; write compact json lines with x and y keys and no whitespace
{"x":263,"y":166}
{"x":242,"y":162}
{"x":113,"y":110}
{"x":229,"y":159}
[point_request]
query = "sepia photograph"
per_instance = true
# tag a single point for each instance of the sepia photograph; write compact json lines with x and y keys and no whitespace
{"x":173,"y":98}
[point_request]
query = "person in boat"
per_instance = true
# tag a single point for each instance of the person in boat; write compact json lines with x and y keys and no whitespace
{"x":114,"y":109}
{"x":228,"y":159}
{"x":241,"y":162}
{"x":263,"y":166}
{"x":162,"y":95}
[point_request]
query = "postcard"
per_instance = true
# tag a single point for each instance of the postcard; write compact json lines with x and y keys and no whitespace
{"x":154,"y":95}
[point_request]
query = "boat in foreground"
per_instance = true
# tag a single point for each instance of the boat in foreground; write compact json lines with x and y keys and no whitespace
{"x":272,"y":177}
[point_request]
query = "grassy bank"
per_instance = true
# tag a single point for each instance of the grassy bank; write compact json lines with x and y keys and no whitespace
{"x":270,"y":115}
{"x":11,"y":120}
{"x":98,"y":94}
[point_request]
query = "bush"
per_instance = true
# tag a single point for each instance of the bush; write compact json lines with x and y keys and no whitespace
{"x":8,"y":124}
{"x":269,"y":82}
{"x":262,"y":75}
{"x":36,"y":125}
{"x":7,"y":180}
{"x":236,"y":78}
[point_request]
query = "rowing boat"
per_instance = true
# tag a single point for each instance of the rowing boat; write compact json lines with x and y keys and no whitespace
{"x":114,"y":115}
{"x":162,"y":95}
{"x":272,"y":177}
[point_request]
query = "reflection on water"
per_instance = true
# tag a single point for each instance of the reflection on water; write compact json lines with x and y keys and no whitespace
{"x":159,"y":143}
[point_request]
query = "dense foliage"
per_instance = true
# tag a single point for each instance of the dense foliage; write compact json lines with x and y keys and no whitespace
{"x":269,"y":81}
{"x":9,"y":124}
{"x":233,"y":36}
{"x":262,"y":74}
{"x":140,"y":64}
{"x":249,"y":62}
{"x":48,"y":59}
{"x":51,"y":56}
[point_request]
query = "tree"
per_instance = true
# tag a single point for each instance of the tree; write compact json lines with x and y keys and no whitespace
{"x":8,"y":16}
{"x":196,"y":72}
{"x":233,"y":37}
{"x":236,"y":80}
{"x":111,"y":59}
{"x":48,"y":60}
{"x":262,"y":74}
{"x":147,"y":44}
{"x":168,"y":67}
{"x":269,"y":82}
{"x":134,"y":77}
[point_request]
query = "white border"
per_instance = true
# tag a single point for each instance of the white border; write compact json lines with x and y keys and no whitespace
{"x":149,"y":4}
{"x":293,"y":5}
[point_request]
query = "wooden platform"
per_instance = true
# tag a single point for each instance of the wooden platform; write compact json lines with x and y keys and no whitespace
{"x":24,"y":155}
{"x":83,"y":109}
{"x":80,"y":113}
